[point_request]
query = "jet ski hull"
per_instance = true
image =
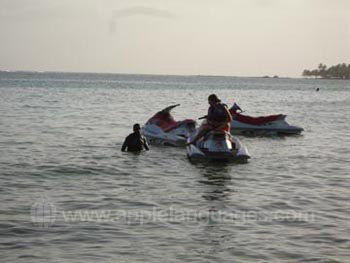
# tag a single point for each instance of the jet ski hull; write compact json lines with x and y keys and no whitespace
{"x":238,"y":152}
{"x":271,"y":128}
{"x":164,"y":139}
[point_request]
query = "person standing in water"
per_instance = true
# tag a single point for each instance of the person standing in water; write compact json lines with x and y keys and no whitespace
{"x":135,"y":141}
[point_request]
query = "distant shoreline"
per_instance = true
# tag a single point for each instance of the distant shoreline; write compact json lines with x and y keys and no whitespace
{"x":144,"y":74}
{"x":163,"y":75}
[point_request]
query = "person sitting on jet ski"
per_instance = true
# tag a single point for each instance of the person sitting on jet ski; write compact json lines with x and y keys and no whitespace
{"x":218,"y":118}
{"x":135,"y":142}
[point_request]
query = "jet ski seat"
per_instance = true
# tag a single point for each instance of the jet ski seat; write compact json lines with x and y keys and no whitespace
{"x":177,"y":124}
{"x":258,"y":120}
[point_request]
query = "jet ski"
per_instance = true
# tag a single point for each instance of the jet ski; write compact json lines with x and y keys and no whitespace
{"x":265,"y":125}
{"x":163,"y":129}
{"x":217,"y":146}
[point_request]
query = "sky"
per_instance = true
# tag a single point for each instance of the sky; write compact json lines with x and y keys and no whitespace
{"x":180,"y":37}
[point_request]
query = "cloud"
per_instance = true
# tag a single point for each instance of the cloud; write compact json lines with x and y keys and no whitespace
{"x":136,"y":11}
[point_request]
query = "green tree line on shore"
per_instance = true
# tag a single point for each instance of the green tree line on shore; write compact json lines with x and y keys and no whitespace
{"x":340,"y":71}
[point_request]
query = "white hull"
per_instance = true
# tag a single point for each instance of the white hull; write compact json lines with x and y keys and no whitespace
{"x":227,"y":149}
{"x":176,"y":137}
{"x":278,"y":127}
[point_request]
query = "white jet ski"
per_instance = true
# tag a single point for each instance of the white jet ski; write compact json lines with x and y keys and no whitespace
{"x":162,"y":129}
{"x":217,"y":146}
{"x":265,"y":125}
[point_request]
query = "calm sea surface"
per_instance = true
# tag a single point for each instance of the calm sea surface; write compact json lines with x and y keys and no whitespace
{"x":68,"y":194}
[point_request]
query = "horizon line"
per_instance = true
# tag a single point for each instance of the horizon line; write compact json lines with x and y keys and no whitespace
{"x":148,"y":74}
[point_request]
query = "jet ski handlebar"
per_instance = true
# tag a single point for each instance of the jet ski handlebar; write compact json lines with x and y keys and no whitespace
{"x":204,"y":117}
{"x":235,"y":107}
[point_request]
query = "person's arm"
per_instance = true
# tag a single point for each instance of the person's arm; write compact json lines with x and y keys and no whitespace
{"x":125,"y":144}
{"x":145,"y":144}
{"x":210,"y":121}
{"x":228,"y":113}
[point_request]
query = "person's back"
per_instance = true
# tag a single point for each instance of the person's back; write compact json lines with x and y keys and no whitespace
{"x":135,"y":142}
{"x":217,"y":113}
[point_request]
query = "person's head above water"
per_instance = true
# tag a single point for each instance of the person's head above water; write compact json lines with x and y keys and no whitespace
{"x":136,"y":127}
{"x":213,"y":99}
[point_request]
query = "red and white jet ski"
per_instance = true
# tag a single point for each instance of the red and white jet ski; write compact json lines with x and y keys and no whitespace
{"x":265,"y":125}
{"x":162,"y":129}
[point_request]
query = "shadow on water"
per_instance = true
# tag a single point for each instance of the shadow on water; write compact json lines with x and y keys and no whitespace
{"x":215,"y":178}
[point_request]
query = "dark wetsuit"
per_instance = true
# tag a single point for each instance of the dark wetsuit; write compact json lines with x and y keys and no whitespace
{"x":135,"y":142}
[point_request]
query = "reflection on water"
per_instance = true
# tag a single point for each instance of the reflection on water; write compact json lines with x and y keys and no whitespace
{"x":216,"y":177}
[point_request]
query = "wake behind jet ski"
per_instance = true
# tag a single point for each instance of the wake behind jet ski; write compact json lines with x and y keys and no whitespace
{"x":217,"y":146}
{"x":163,"y":129}
{"x":265,"y":125}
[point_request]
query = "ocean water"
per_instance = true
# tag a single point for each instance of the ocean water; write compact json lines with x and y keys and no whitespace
{"x":68,"y":194}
